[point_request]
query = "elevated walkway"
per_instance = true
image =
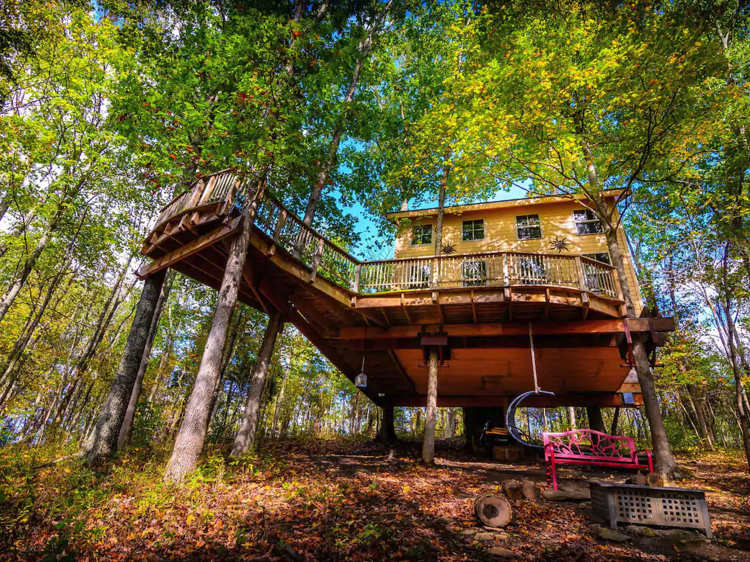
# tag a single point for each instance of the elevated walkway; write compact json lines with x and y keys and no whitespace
{"x":477,"y":307}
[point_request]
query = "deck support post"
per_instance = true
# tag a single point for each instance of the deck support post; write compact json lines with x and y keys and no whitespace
{"x":428,"y":445}
{"x":245,"y":438}
{"x":596,"y":422}
{"x":192,"y":434}
{"x":103,"y":439}
{"x":387,"y":430}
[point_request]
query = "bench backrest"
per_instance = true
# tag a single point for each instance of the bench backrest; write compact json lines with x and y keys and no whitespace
{"x":589,"y":444}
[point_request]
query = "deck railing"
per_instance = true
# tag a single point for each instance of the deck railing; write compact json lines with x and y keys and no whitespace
{"x":324,"y":258}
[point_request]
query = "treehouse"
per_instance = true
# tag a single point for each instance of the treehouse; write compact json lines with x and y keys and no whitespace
{"x":510,"y":275}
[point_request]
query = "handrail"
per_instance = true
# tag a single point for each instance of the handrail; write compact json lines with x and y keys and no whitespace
{"x":305,"y":244}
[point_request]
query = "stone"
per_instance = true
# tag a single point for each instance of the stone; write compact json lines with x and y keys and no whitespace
{"x":469,"y":531}
{"x":611,"y":535}
{"x":444,"y":521}
{"x":646,"y":532}
{"x":502,"y":552}
{"x":485,"y":537}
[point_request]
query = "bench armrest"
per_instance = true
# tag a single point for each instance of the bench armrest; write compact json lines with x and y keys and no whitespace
{"x":648,"y":454}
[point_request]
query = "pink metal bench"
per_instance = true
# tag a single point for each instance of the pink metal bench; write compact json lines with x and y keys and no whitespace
{"x":589,"y":447}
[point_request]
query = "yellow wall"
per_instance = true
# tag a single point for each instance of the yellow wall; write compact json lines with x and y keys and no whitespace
{"x":500,"y":234}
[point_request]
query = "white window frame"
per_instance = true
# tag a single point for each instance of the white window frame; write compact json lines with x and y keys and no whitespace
{"x":587,"y":221}
{"x":473,"y":232}
{"x":539,"y":226}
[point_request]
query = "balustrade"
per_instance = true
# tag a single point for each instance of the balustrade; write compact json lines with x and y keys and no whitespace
{"x":324,"y":258}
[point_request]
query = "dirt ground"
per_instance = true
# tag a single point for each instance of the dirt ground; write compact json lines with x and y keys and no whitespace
{"x":343,"y":500}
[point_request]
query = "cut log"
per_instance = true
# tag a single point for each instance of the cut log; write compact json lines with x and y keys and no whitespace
{"x":640,"y":479}
{"x":513,"y":489}
{"x":561,"y":496}
{"x":530,"y":490}
{"x":654,"y":479}
{"x":493,"y":511}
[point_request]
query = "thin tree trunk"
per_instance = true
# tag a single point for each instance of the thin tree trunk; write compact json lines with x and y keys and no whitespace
{"x":28,"y":265}
{"x":245,"y":438}
{"x":428,"y":445}
{"x":365,"y":48}
{"x":596,"y":422}
{"x":572,"y":417}
{"x":740,"y":390}
{"x":277,"y":409}
{"x":665,"y":463}
{"x":192,"y":433}
{"x":103,"y":439}
{"x":127,"y":423}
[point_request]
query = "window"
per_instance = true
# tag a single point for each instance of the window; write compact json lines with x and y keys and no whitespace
{"x":587,"y":223}
{"x":421,"y":234}
{"x":603,"y":257}
{"x":473,"y":230}
{"x":528,"y":227}
{"x":474,"y":273}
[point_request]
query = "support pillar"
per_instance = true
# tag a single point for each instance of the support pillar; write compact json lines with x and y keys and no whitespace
{"x":245,"y":438}
{"x":428,"y":445}
{"x":596,"y":422}
{"x":103,"y":438}
{"x":387,"y":432}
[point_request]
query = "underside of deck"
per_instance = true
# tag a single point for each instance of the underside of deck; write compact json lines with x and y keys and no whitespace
{"x":580,"y":339}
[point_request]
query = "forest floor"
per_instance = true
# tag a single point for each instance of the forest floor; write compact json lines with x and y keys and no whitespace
{"x":336,"y":500}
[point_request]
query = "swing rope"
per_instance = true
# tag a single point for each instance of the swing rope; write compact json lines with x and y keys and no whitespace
{"x":510,"y":416}
{"x":533,"y":359}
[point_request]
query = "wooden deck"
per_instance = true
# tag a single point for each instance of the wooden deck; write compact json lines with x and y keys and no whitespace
{"x":478,"y":306}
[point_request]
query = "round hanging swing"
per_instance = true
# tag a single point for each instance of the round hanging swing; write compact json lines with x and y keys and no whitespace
{"x":510,"y":416}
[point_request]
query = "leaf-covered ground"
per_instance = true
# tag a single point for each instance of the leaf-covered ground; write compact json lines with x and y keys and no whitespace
{"x":326,"y":500}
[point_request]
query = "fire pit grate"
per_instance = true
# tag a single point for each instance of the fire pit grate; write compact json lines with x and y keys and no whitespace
{"x":646,"y":505}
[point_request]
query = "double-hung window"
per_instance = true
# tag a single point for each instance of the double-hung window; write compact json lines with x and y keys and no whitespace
{"x":587,"y":222}
{"x":421,"y":234}
{"x":473,"y":230}
{"x":602,"y":257}
{"x":528,"y":227}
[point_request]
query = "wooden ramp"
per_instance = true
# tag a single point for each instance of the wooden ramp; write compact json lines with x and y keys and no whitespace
{"x":477,"y":308}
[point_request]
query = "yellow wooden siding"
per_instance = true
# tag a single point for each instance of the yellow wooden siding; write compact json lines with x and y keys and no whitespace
{"x":500,"y":235}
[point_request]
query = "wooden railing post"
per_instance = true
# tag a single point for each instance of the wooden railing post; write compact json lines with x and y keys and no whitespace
{"x":357,"y":274}
{"x":435,"y":281}
{"x":581,"y":275}
{"x":279,"y":226}
{"x":506,"y":276}
{"x":316,"y":259}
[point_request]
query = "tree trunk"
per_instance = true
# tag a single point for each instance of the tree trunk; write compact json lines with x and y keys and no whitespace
{"x":572,"y":417}
{"x":192,"y":433}
{"x":740,"y":390}
{"x":365,"y":48}
{"x":127,"y":423}
{"x":103,"y":439}
{"x":615,"y":421}
{"x":596,"y":422}
{"x":428,"y":445}
{"x":387,"y":432}
{"x":28,"y":266}
{"x":699,"y":406}
{"x":277,"y":409}
{"x":245,"y":438}
{"x":665,"y":463}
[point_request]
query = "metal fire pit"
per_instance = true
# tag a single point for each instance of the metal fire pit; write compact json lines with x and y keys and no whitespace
{"x":646,"y":505}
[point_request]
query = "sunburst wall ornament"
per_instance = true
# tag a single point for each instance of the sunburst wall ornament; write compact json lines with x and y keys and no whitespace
{"x":448,"y":249}
{"x":560,"y":244}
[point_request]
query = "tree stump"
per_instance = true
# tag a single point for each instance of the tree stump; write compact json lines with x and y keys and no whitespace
{"x":530,"y":490}
{"x":493,"y":511}
{"x":513,"y":490}
{"x":655,"y":480}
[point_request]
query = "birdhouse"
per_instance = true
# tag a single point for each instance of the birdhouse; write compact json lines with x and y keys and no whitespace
{"x":361,"y":381}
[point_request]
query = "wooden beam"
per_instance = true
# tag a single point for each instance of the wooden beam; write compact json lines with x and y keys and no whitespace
{"x":400,"y":369}
{"x":540,"y":328}
{"x":189,"y":249}
{"x":473,"y":308}
{"x":604,"y":400}
{"x":578,"y":341}
{"x":247,"y":275}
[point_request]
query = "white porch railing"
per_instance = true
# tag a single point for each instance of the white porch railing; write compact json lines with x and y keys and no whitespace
{"x":322,"y":257}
